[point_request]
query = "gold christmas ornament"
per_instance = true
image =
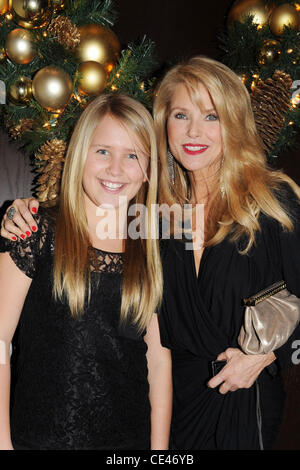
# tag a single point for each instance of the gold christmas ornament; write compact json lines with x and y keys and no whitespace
{"x":19,"y":46}
{"x":30,"y":13}
{"x":98,"y":44}
{"x":259,"y":9}
{"x":52,"y":88}
{"x":284,"y":15}
{"x":93,"y":78}
{"x":3,"y":6}
{"x":269,"y":52}
{"x":20,"y":92}
{"x":51,"y":156}
{"x":64,"y":31}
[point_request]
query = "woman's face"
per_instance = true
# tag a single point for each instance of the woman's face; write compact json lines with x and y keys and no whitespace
{"x":194,"y":136}
{"x":115,"y":165}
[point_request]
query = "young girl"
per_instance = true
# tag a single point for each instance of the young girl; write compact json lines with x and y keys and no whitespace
{"x":87,"y":368}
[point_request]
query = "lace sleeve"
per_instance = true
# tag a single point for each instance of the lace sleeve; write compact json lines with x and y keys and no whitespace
{"x":26,"y":253}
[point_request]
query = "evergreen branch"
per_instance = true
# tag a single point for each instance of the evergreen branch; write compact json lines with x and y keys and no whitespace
{"x":129,"y":75}
{"x":136,"y":63}
{"x":99,"y":12}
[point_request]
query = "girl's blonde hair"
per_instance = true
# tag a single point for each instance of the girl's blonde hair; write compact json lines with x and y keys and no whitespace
{"x":247,"y":184}
{"x":142,"y":273}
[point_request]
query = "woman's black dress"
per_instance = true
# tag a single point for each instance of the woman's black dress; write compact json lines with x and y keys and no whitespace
{"x":202,"y":315}
{"x":76,"y":383}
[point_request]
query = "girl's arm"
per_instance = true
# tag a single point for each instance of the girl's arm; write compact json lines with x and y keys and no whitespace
{"x":160,"y":381}
{"x":14,"y":285}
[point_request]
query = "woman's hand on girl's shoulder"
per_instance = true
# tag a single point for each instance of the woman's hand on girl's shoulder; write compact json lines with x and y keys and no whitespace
{"x":22,"y":224}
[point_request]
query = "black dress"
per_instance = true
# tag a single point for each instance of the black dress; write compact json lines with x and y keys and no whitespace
{"x":202,"y":315}
{"x":76,"y":383}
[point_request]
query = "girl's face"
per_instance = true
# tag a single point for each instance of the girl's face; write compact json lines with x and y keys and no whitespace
{"x":194,"y":136}
{"x":115,"y":166}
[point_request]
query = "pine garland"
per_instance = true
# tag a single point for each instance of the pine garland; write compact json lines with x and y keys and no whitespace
{"x":240,"y":46}
{"x":43,"y":134}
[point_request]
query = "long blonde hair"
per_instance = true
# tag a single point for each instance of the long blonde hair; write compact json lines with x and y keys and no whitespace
{"x":142,"y":274}
{"x":248,"y":183}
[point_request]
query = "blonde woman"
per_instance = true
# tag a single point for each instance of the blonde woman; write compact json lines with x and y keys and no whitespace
{"x":203,"y":117}
{"x":88,"y":370}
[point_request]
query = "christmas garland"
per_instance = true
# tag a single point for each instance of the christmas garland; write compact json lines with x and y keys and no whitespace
{"x":50,"y":53}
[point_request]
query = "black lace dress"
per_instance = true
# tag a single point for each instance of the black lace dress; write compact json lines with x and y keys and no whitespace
{"x":76,"y":383}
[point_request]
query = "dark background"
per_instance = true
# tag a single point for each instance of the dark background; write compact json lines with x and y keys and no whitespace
{"x":182,"y":29}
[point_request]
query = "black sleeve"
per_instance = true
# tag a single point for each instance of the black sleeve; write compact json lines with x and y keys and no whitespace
{"x":26,"y":253}
{"x":290,"y":258}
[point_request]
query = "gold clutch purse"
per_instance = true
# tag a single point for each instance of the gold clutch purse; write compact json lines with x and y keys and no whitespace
{"x":270,"y":318}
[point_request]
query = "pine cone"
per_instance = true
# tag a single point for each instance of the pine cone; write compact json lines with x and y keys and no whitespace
{"x":270,"y":103}
{"x":17,"y":130}
{"x":51,"y":156}
{"x":65,"y":32}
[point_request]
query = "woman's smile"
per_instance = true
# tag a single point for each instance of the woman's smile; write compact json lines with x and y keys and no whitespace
{"x":193,"y":149}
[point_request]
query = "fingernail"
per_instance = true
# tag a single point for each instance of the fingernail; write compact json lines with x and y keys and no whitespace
{"x":14,"y":239}
{"x":33,"y":210}
{"x":22,"y":236}
{"x":28,"y":233}
{"x":34,"y":228}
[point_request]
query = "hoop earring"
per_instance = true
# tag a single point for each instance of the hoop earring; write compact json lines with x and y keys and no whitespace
{"x":171,"y":166}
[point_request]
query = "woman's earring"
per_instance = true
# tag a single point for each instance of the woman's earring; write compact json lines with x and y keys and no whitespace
{"x":171,"y":166}
{"x":222,"y":188}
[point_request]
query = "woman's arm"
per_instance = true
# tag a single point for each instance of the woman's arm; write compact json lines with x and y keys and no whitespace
{"x":14,"y":285}
{"x":160,"y":381}
{"x":23,"y":223}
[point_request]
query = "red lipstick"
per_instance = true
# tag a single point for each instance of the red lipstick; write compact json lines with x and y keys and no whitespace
{"x":194,"y":149}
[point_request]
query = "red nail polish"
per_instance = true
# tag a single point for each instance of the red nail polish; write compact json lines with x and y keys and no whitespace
{"x":22,"y":236}
{"x":14,"y":238}
{"x":34,"y":228}
{"x":28,"y":233}
{"x":33,"y":210}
